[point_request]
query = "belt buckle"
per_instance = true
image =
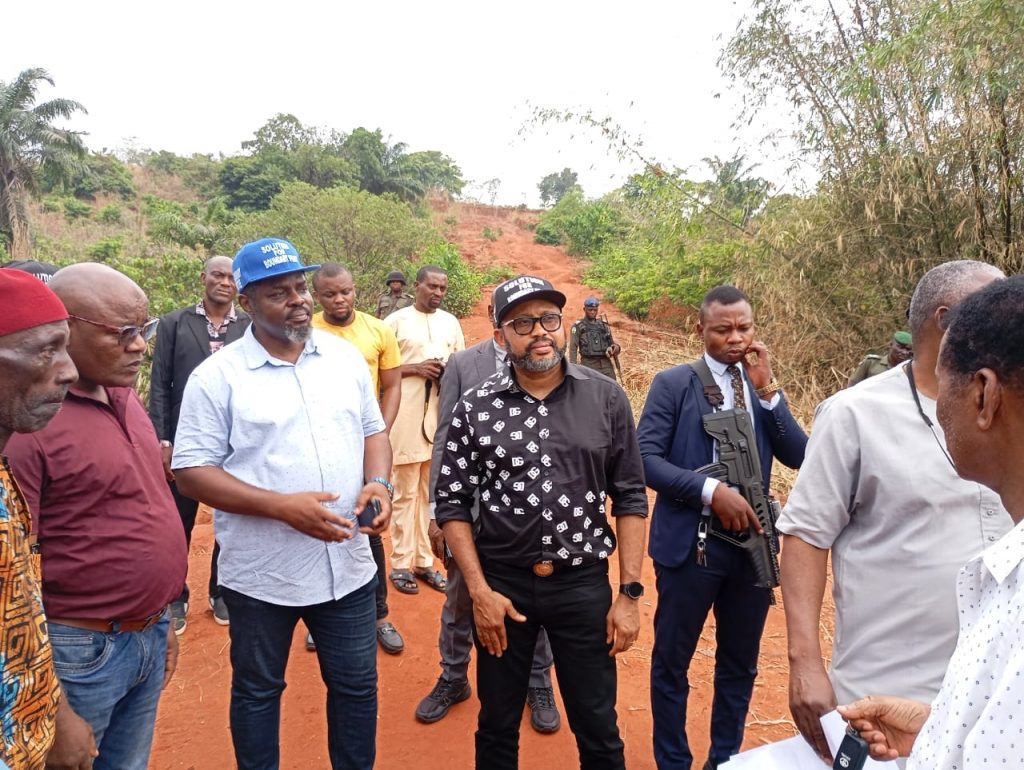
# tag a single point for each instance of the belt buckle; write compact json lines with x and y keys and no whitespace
{"x":543,"y":569}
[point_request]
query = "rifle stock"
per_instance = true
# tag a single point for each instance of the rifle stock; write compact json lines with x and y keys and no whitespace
{"x":740,"y":467}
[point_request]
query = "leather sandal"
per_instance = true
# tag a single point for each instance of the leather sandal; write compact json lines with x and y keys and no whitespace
{"x":433,"y":578}
{"x":404,"y":581}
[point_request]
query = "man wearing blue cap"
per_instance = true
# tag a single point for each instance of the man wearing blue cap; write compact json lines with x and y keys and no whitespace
{"x":282,"y":434}
{"x":590,"y":339}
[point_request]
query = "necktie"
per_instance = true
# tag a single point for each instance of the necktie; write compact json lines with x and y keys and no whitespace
{"x":739,"y":401}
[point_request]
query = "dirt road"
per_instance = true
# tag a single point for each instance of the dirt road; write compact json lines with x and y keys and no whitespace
{"x":192,"y":726}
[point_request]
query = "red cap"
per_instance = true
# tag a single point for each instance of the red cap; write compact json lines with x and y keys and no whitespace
{"x":25,"y":301}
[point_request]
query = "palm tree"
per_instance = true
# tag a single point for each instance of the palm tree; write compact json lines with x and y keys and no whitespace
{"x":28,"y":144}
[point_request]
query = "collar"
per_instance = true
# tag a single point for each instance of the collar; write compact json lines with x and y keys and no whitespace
{"x":1006,"y":554}
{"x":201,"y":310}
{"x":499,"y":351}
{"x":256,"y":355}
{"x":506,"y":382}
{"x":717,"y":367}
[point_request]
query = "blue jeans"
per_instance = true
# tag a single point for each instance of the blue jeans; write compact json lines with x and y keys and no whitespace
{"x":113,"y":681}
{"x":346,"y":645}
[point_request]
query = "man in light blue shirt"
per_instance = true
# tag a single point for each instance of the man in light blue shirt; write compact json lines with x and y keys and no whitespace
{"x":282,"y":434}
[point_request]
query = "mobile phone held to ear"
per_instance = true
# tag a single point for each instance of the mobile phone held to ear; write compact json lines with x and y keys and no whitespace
{"x":370,"y":512}
{"x":852,"y":753}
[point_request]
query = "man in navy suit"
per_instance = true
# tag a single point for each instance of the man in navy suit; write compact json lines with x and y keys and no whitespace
{"x":465,"y":369}
{"x":185,"y":338}
{"x":673,"y":443}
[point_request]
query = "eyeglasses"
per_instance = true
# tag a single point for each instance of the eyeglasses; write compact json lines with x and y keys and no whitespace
{"x":523,"y":325}
{"x":125,"y":334}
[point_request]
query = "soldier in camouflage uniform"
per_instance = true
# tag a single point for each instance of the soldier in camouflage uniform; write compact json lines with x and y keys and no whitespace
{"x":900,"y":349}
{"x":395,"y":297}
{"x":591,"y":339}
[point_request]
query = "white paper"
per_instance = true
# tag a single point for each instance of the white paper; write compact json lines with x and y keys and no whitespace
{"x":796,"y":753}
{"x":790,"y":754}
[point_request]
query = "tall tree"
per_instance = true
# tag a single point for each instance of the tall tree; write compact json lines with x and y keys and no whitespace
{"x":30,"y":143}
{"x":554,"y":186}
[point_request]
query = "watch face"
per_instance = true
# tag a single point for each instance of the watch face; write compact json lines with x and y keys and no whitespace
{"x":632,"y":590}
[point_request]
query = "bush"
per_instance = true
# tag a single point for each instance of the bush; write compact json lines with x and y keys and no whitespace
{"x":52,"y":204}
{"x":490,"y":234}
{"x":111,"y":214}
{"x":463,"y":282}
{"x":547,"y":233}
{"x":76,"y":209}
{"x":106,"y":249}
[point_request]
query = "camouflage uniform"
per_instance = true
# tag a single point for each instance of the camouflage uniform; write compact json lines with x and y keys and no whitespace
{"x":388,"y":303}
{"x":591,"y":339}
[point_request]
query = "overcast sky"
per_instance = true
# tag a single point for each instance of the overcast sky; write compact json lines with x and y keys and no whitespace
{"x":448,"y":75}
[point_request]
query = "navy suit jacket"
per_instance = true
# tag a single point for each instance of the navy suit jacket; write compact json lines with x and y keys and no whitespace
{"x":673,"y":442}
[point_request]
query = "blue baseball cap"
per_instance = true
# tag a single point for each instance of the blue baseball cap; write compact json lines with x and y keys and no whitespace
{"x":267,"y":258}
{"x":591,"y":302}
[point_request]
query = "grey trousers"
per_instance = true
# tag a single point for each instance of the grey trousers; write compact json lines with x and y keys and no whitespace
{"x":456,"y":638}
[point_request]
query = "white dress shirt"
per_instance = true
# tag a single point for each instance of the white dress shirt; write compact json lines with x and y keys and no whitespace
{"x":724,"y":381}
{"x":976,"y":719}
{"x":288,"y":428}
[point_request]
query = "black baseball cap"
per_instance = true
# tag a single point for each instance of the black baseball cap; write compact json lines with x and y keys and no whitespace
{"x":519,"y":289}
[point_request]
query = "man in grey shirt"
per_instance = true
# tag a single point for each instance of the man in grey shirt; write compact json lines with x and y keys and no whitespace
{"x":282,"y":434}
{"x":879,"y":492}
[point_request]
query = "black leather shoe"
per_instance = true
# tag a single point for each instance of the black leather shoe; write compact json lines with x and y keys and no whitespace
{"x":545,"y":717}
{"x":390,"y":640}
{"x":444,"y":695}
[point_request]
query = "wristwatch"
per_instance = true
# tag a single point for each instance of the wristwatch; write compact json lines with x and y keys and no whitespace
{"x":384,"y":483}
{"x":632,"y":590}
{"x":771,"y":387}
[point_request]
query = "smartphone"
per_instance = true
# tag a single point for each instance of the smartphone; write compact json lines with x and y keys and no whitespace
{"x":370,"y":512}
{"x":852,"y":753}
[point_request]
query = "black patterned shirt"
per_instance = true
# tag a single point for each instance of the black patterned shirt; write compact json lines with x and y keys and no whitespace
{"x":546,"y":469}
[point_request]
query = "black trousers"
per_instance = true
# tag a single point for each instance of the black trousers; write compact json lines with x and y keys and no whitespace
{"x":572,"y":606}
{"x":187,"y":510}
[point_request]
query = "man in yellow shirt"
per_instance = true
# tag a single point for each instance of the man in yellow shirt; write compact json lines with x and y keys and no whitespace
{"x":334,"y":289}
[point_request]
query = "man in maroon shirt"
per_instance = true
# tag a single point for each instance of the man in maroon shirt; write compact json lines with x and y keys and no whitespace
{"x":113,"y":549}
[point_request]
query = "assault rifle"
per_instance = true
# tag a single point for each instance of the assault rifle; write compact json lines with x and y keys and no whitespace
{"x":739,"y":466}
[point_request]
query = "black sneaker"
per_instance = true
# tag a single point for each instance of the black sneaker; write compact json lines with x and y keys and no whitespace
{"x":178,"y":612}
{"x":220,"y":611}
{"x":545,"y":717}
{"x":444,"y":695}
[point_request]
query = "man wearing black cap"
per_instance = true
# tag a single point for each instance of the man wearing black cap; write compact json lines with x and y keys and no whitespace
{"x":395,"y":297}
{"x":547,"y":446}
{"x":591,"y":339}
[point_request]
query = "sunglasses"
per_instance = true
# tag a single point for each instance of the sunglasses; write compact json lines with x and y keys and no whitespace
{"x":524,"y":324}
{"x":125,"y":334}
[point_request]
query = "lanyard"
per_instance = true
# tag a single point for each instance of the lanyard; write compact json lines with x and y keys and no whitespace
{"x":909,"y":368}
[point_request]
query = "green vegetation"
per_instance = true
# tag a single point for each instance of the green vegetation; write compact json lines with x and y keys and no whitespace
{"x":553,"y":187}
{"x":30,"y":145}
{"x":491,"y":235}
